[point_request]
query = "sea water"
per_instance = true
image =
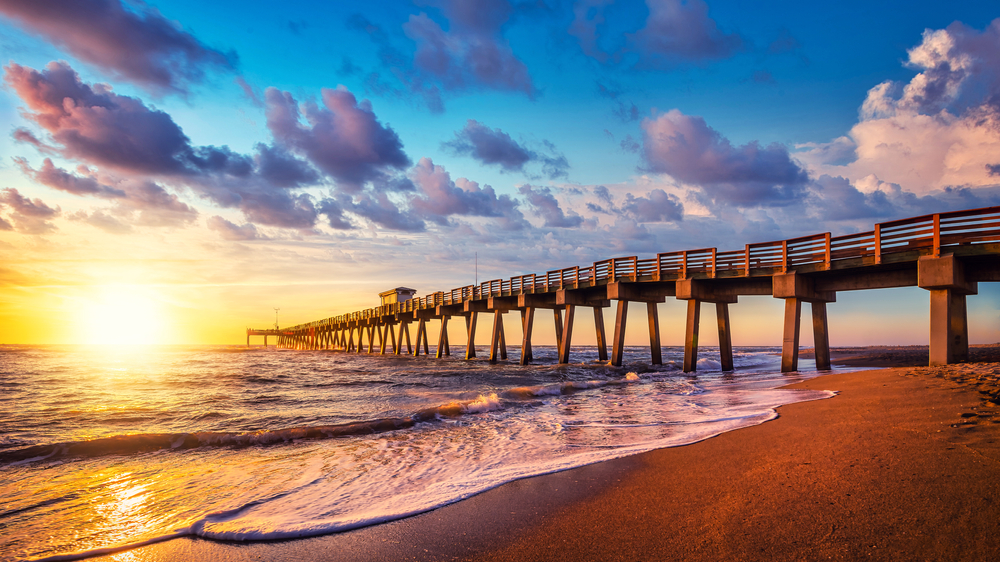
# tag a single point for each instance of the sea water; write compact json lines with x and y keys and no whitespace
{"x":107,"y":447}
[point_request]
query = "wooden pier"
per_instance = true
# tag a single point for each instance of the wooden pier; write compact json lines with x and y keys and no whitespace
{"x":947,"y":254}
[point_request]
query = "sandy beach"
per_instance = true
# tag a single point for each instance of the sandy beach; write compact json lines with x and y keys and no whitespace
{"x":904,"y":464}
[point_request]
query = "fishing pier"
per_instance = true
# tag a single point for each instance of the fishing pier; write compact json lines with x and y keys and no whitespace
{"x":947,"y":254}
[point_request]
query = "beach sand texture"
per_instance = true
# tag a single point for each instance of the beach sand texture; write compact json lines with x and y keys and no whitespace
{"x":904,"y":464}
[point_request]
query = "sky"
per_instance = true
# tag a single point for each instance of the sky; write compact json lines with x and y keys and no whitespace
{"x":173,"y":171}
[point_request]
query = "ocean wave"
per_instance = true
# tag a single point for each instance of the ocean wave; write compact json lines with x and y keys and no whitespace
{"x":150,"y":442}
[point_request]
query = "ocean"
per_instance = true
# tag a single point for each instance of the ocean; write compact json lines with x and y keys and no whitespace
{"x":106,"y":447}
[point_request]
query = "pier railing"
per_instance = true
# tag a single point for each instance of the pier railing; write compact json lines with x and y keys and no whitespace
{"x":924,"y":235}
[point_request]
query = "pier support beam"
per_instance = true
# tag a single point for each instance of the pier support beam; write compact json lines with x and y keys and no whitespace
{"x":527,"y":323}
{"x":567,"y":334}
{"x":557,"y":317}
{"x":725,"y":336}
{"x":421,"y":336}
{"x":795,"y":289}
{"x":790,"y":336}
{"x":371,"y":339}
{"x":497,"y":341}
{"x":442,"y":347}
{"x":618,"y":340}
{"x":821,"y":336}
{"x":602,"y":341}
{"x":655,"y":356}
{"x":949,"y":340}
{"x":944,"y":278}
{"x":470,"y":328}
{"x":691,"y":335}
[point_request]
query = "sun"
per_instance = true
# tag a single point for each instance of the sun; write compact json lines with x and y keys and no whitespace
{"x":122,"y":315}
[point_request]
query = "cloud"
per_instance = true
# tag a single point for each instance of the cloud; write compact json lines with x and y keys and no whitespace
{"x":231,"y":231}
{"x":471,"y":55}
{"x":99,"y":126}
{"x":441,"y":197}
{"x":379,"y":209}
{"x":60,"y":179}
{"x":281,"y":169}
{"x":28,"y":216}
{"x":93,"y":125}
{"x":656,"y":206}
{"x":136,"y":43}
{"x":342,"y":138}
{"x":546,"y":206}
{"x":473,"y":52}
{"x":939,"y":130}
{"x":103,"y":221}
{"x":495,"y":147}
{"x":675,"y":32}
{"x":687,"y":149}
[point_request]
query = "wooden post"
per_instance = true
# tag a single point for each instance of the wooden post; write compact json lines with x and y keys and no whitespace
{"x":725,"y":336}
{"x":497,"y":331}
{"x":470,"y":328}
{"x":618,"y":341}
{"x":691,"y":336}
{"x":421,"y":334}
{"x":442,"y":337}
{"x":656,"y":357}
{"x":350,"y":339}
{"x":398,"y":347}
{"x":383,"y":332}
{"x":557,"y":316}
{"x":371,"y":338}
{"x":527,"y":323}
{"x":392,"y":335}
{"x":821,"y":336}
{"x":790,"y":339}
{"x":503,"y":344}
{"x":567,"y":335}
{"x":447,"y":344}
{"x":602,"y":342}
{"x":406,"y":332}
{"x":949,"y":341}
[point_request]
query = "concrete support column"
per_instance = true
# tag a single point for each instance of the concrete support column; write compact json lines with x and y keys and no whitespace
{"x":497,"y":335}
{"x":383,"y":332}
{"x":527,"y":323}
{"x":790,"y":337}
{"x":949,"y":341}
{"x":557,"y":317}
{"x":421,"y":333}
{"x":725,"y":336}
{"x":618,"y":341}
{"x":691,"y":336}
{"x":442,"y":337}
{"x":567,"y":334}
{"x":655,"y":356}
{"x":392,"y":336}
{"x":821,"y":336}
{"x":602,"y":342}
{"x":371,"y":339}
{"x":470,"y":328}
{"x":405,"y":326}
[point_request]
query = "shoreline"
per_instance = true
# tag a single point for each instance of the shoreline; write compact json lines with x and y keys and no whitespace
{"x":908,"y":456}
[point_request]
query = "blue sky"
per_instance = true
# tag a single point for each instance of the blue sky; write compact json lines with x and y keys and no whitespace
{"x":537,"y":134}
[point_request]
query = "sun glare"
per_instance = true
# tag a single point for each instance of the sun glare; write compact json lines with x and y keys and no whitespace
{"x":122,"y":316}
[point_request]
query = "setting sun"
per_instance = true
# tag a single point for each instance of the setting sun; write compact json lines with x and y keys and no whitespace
{"x":122,"y":315}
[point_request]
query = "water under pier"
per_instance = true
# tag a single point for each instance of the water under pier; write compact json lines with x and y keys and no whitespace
{"x":947,"y":254}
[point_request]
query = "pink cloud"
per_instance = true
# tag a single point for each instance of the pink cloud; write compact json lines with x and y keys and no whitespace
{"x":135,"y":43}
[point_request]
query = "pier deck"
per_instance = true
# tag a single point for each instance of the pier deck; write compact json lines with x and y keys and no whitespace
{"x":947,"y":254}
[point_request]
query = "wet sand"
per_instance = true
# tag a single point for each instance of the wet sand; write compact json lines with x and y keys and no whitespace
{"x":904,"y":464}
